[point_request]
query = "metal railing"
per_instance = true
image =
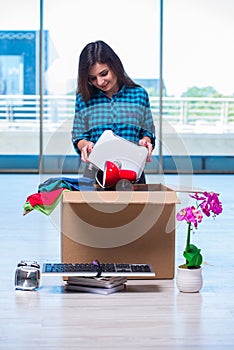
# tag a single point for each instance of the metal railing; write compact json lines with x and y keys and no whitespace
{"x":183,"y":113}
{"x":24,"y":110}
{"x":189,"y":113}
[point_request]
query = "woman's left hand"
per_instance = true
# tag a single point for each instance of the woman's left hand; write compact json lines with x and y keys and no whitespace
{"x":146,"y":143}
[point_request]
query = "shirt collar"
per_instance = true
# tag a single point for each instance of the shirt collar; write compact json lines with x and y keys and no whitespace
{"x":119,"y":93}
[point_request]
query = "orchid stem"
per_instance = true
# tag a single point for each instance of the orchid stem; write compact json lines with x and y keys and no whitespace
{"x":188,"y":236}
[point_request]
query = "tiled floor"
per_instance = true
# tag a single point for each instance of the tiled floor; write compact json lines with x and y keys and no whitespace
{"x":149,"y":315}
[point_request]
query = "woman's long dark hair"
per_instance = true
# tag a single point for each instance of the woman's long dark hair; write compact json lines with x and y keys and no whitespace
{"x":99,"y":52}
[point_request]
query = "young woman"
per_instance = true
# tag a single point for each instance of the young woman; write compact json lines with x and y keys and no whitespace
{"x":107,"y":99}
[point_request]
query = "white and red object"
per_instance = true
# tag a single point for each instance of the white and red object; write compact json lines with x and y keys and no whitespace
{"x":112,"y":174}
{"x":116,"y":149}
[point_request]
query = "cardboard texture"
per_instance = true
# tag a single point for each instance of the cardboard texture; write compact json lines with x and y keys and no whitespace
{"x":121,"y":227}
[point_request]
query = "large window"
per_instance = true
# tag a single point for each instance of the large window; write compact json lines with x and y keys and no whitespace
{"x":198,"y":73}
{"x":19,"y":52}
{"x":131,"y":30}
{"x":39,"y":52}
{"x":129,"y":27}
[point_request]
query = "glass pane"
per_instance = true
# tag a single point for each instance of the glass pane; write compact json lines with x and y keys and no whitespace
{"x":19,"y":42}
{"x":131,"y":29}
{"x":198,"y":75}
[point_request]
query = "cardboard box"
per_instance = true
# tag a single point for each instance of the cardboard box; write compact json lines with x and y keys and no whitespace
{"x":121,"y":227}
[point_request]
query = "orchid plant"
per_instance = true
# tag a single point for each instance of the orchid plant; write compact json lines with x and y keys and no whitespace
{"x":208,"y":204}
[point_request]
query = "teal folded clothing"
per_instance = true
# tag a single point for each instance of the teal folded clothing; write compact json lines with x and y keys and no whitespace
{"x":72,"y":184}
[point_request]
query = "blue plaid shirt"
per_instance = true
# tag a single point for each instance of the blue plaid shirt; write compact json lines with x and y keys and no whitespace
{"x":127,"y":114}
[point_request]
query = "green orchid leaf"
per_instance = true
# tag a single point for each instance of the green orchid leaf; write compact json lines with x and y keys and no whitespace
{"x":193,"y":256}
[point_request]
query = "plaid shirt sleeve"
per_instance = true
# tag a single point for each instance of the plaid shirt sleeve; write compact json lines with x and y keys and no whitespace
{"x":127,"y":114}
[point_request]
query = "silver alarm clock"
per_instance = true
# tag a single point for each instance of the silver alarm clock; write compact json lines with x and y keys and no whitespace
{"x":27,"y":275}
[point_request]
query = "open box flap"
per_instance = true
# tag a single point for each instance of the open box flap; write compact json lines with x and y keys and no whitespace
{"x":185,"y":189}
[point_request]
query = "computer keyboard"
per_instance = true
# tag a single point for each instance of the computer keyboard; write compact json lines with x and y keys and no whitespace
{"x":96,"y":269}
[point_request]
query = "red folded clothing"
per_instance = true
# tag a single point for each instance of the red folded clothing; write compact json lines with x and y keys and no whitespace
{"x":44,"y":198}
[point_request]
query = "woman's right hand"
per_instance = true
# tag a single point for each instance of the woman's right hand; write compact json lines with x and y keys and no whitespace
{"x":85,"y":150}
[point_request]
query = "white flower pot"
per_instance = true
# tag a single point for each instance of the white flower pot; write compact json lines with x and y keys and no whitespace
{"x":189,"y":280}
